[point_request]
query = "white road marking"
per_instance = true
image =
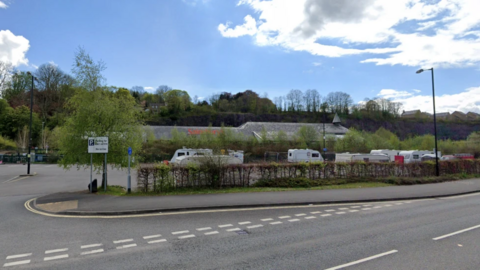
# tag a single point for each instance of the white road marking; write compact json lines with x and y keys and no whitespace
{"x":353,"y":211}
{"x":340,"y":213}
{"x":16,"y":263}
{"x":152,"y":236}
{"x":376,"y":207}
{"x":330,"y":210}
{"x":366,"y":208}
{"x":294,"y":220}
{"x":19,"y":256}
{"x":225,"y":225}
{"x":267,"y":219}
{"x":92,"y":245}
{"x":316,"y":212}
{"x":234,"y":229}
{"x":254,"y":226}
{"x":408,"y":202}
{"x":127,"y":246}
{"x":388,"y":205}
{"x":179,"y":232}
{"x":460,"y":196}
{"x":300,"y":215}
{"x":355,"y":207}
{"x":244,"y":223}
{"x":457,"y":232}
{"x":157,"y":241}
{"x":204,"y":229}
{"x":276,"y":222}
{"x":122,"y":241}
{"x":186,"y":236}
{"x":342,"y":208}
{"x":210,"y":233}
{"x":326,"y":215}
{"x":92,"y":252}
{"x":55,"y":257}
{"x":56,"y":250}
{"x":366,"y":205}
{"x":363,"y":260}
{"x":399,"y":203}
{"x":282,"y":217}
{"x":310,"y":217}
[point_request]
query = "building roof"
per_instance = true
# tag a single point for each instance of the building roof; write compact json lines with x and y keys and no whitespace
{"x":410,"y":112}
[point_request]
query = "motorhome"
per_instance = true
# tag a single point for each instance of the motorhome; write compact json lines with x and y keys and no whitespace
{"x":349,"y":157}
{"x":415,"y":155}
{"x":390,"y":153}
{"x":221,"y":159}
{"x":304,"y":155}
{"x":188,"y":152}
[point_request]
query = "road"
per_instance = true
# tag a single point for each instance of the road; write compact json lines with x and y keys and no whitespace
{"x":389,"y":235}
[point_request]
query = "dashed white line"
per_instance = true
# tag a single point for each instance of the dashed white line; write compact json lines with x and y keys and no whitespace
{"x":92,"y":252}
{"x":186,"y":236}
{"x":254,"y":226}
{"x":366,"y":209}
{"x":330,"y":210}
{"x":204,"y":229}
{"x":210,"y":233}
{"x":316,"y":212}
{"x":276,"y":222}
{"x":388,"y":205}
{"x":152,"y":236}
{"x":90,"y":246}
{"x":294,"y":220}
{"x":408,"y":202}
{"x":18,"y":256}
{"x":56,"y":250}
{"x":127,"y":246}
{"x":157,"y":241}
{"x":340,"y":213}
{"x":234,"y":229}
{"x":282,"y":217}
{"x":353,"y":211}
{"x":55,"y":257}
{"x":376,"y":207}
{"x":362,"y":260}
{"x":300,"y":215}
{"x":225,"y":225}
{"x":399,"y":203}
{"x":326,"y":215}
{"x":180,"y":232}
{"x":355,"y":207}
{"x":122,"y":241}
{"x":267,"y":219}
{"x":457,"y":232}
{"x":16,"y":263}
{"x":244,"y":222}
{"x":342,"y":208}
{"x":366,"y":205}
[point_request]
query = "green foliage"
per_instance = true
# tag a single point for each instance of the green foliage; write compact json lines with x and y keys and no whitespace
{"x":13,"y":120}
{"x":6,"y":144}
{"x":88,"y":74}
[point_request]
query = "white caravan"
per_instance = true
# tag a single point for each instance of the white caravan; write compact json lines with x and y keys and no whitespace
{"x":237,"y":154}
{"x":348,"y":157}
{"x":305,"y":155}
{"x":188,"y":152}
{"x":415,"y":155}
{"x":198,"y":160}
{"x":390,"y":153}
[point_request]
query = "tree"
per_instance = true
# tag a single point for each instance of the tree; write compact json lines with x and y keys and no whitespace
{"x":307,"y":134}
{"x":6,"y":70}
{"x":96,"y":114}
{"x":22,"y":138}
{"x":88,"y":74}
{"x":13,"y":120}
{"x":295,"y":97}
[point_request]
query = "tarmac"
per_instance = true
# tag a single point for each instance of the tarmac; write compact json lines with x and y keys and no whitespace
{"x":84,"y":203}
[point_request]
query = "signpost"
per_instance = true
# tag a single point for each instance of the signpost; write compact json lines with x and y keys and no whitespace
{"x":97,"y":145}
{"x":129,"y":187}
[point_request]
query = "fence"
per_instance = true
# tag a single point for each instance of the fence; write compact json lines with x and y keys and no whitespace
{"x":161,"y":177}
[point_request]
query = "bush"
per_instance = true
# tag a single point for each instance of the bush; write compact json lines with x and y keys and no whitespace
{"x":6,"y":144}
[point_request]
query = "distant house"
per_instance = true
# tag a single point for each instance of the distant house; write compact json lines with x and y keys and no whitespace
{"x":473,"y":116}
{"x":443,"y":115}
{"x":458,"y":116}
{"x":155,"y":107}
{"x":411,"y":114}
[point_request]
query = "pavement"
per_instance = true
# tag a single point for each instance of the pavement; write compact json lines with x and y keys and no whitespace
{"x":83,"y":203}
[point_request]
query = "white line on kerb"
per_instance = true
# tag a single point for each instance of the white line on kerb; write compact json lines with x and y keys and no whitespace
{"x":122,"y":241}
{"x":210,"y":233}
{"x":90,"y":246}
{"x":180,"y":232}
{"x":363,"y":260}
{"x":92,"y":252}
{"x":55,"y":257}
{"x":157,"y":241}
{"x":204,"y":229}
{"x":267,"y":219}
{"x":276,"y":222}
{"x":244,"y":223}
{"x":152,"y":236}
{"x":186,"y":236}
{"x":16,"y":263}
{"x":457,"y":232}
{"x":225,"y":225}
{"x":19,"y":256}
{"x":56,"y":250}
{"x":254,"y":226}
{"x":127,"y":246}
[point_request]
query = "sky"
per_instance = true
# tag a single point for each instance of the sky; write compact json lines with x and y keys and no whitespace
{"x":366,"y":48}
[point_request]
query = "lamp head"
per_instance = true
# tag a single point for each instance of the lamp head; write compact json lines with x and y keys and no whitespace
{"x":28,"y":72}
{"x":420,"y":71}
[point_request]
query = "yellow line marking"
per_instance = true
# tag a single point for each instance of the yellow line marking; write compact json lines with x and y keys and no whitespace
{"x":18,"y":179}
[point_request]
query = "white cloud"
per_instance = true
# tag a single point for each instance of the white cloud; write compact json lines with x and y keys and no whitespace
{"x":466,"y":101}
{"x":195,"y":2}
{"x":201,"y":98}
{"x":317,"y":64}
{"x":148,"y":88}
{"x":446,"y":30}
{"x":3,"y":5}
{"x":13,"y":48}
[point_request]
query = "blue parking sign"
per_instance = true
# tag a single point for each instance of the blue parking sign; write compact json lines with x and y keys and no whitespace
{"x":129,"y":151}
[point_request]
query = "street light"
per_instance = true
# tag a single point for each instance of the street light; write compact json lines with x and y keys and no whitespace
{"x":30,"y":131}
{"x":434,"y":119}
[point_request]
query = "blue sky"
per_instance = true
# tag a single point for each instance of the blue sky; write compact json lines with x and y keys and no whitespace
{"x":367,"y":48}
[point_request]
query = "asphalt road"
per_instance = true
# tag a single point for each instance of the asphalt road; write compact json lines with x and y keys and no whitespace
{"x":393,"y":235}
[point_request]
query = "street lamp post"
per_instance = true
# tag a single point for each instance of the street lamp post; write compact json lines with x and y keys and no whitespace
{"x":30,"y":130}
{"x":437,"y":171}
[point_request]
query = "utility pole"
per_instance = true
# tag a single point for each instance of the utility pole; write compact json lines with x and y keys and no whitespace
{"x":30,"y":130}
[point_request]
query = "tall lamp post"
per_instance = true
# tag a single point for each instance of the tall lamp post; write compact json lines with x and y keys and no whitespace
{"x":30,"y":130}
{"x":434,"y":119}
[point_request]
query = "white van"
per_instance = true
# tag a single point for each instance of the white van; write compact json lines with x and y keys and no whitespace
{"x":374,"y":158}
{"x":415,"y":155}
{"x":305,"y":155}
{"x":188,"y":152}
{"x":198,"y":160}
{"x":390,"y":153}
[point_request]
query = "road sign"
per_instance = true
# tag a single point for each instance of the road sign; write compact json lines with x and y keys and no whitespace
{"x":324,"y":149}
{"x":98,"y":145}
{"x":129,"y":151}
